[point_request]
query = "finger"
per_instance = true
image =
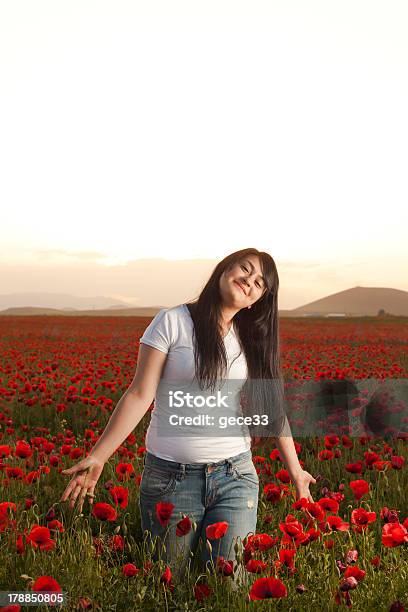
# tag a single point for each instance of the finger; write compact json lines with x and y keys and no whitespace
{"x":81,"y":499}
{"x":75,"y":495}
{"x":68,"y":490}
{"x":91,"y":494}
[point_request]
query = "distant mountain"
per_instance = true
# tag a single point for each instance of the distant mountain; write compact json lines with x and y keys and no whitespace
{"x":60,"y":301}
{"x":358,"y":301}
{"x":109,"y":312}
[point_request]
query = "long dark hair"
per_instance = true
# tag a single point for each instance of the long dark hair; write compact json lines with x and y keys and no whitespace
{"x":258,"y":333}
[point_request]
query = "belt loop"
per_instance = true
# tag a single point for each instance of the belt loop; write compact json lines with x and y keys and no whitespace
{"x":182,"y":471}
{"x":229,"y":468}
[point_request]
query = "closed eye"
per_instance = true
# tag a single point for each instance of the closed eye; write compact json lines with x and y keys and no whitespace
{"x":246,"y":270}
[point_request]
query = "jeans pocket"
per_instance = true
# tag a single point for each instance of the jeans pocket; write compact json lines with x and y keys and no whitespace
{"x":156,"y":482}
{"x":246,"y":472}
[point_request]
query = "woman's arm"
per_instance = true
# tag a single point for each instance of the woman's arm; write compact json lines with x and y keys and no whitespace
{"x":128,"y":412}
{"x":134,"y":402}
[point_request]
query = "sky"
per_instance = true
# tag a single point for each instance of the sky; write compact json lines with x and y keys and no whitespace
{"x":182,"y":131}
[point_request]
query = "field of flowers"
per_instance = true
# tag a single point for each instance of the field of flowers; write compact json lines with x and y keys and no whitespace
{"x":61,"y":377}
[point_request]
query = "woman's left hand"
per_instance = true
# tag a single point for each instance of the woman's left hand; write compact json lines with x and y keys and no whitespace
{"x":302,"y":482}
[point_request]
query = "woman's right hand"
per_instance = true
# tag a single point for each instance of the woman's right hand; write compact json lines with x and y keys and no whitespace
{"x":86,"y":475}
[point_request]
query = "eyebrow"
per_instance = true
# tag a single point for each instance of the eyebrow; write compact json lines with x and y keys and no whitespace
{"x":253,"y":268}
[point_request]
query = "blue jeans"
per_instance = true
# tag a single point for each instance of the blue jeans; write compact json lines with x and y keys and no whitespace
{"x":206,"y":492}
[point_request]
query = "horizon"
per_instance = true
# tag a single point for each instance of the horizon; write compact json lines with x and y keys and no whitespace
{"x":123,"y":177}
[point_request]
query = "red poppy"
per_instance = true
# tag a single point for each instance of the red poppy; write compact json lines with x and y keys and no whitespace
{"x":166,"y":576}
{"x":15,"y":472}
{"x":291,"y":527}
{"x":286,"y":557}
{"x":316,"y":510}
{"x":23,"y":449}
{"x":56,"y":525}
{"x":183,"y":527}
{"x":260,"y":542}
{"x":202,"y":591}
{"x":46,"y":583}
{"x":359,"y":488}
{"x":216,"y":530}
{"x":224,"y":567}
{"x":361,"y":518}
{"x":116,"y":542}
{"x":256,"y":566}
{"x":164,"y":510}
{"x":329,"y":504}
{"x":283,"y":476}
{"x":104,"y":512}
{"x":39,"y":537}
{"x":129,"y":570}
{"x":264,"y":588}
{"x":120,"y":496}
{"x":394,"y":534}
{"x":326,"y":455}
{"x":355,"y":571}
{"x":272,"y":492}
{"x":334,"y":523}
{"x":355,"y":468}
{"x":124,"y":471}
{"x":397,"y":462}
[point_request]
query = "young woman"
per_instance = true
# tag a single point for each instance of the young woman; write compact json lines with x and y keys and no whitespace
{"x":230,"y":332}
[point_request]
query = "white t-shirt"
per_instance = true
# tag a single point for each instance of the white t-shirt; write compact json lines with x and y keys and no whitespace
{"x":171,"y":331}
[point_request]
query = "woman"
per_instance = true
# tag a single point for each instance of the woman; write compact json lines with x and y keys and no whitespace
{"x":230,"y":332}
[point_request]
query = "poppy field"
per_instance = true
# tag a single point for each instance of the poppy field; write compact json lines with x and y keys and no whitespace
{"x":60,"y":379}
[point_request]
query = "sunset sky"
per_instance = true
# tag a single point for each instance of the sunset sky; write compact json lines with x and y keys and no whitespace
{"x":188,"y":130}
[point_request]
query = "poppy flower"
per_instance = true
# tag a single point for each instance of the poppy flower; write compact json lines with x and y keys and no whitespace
{"x":326,"y":455}
{"x":291,"y":527}
{"x":283,"y":476}
{"x":164,"y":510}
{"x":120,"y":496}
{"x":334,"y":523}
{"x":224,"y":567}
{"x":124,"y":471}
{"x":202,"y":591}
{"x":361,"y":518}
{"x":272,"y":493}
{"x":355,"y":468}
{"x":39,"y":537}
{"x":397,"y":462}
{"x":166,"y":576}
{"x":46,"y":583}
{"x":23,"y":449}
{"x":264,"y":588}
{"x":394,"y":534}
{"x":355,"y":571}
{"x":104,"y":512}
{"x":15,"y":472}
{"x":260,"y":542}
{"x":216,"y":530}
{"x":116,"y":542}
{"x":256,"y":566}
{"x":129,"y":570}
{"x":183,"y":527}
{"x":329,"y":504}
{"x":286,"y":557}
{"x":359,"y":488}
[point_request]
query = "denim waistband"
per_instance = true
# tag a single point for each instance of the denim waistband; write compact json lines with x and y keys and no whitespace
{"x":151,"y":460}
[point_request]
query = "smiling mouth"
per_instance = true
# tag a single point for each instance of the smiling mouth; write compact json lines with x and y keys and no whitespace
{"x":240,"y":286}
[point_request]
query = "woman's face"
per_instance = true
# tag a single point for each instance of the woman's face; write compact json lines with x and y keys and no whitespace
{"x":243,"y":284}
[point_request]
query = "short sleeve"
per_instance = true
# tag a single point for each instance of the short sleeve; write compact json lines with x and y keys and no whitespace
{"x":159,"y":332}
